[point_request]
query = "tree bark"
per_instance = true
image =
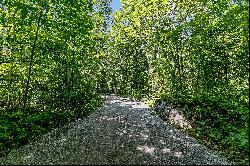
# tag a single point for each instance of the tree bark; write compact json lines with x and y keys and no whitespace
{"x":31,"y":62}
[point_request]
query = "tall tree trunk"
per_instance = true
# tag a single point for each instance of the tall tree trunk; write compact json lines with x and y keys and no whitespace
{"x":31,"y":61}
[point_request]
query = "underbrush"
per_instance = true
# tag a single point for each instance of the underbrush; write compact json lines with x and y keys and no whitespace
{"x":19,"y":127}
{"x":221,"y":124}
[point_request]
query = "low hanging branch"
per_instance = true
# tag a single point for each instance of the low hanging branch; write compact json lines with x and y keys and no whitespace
{"x":31,"y":61}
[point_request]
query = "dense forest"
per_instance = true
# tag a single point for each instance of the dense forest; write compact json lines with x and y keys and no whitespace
{"x":57,"y":57}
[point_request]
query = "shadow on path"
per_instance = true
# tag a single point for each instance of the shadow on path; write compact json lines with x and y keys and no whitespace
{"x":122,"y":132}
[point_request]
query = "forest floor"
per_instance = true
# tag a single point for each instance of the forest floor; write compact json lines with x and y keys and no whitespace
{"x":123,"y":131}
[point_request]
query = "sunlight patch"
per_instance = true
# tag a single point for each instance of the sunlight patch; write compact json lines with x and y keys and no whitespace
{"x":115,"y":101}
{"x":141,"y":105}
{"x":146,"y":149}
{"x":145,"y":136}
{"x":166,"y":150}
{"x":178,"y":154}
{"x":134,"y":104}
{"x":162,"y":142}
{"x":29,"y":156}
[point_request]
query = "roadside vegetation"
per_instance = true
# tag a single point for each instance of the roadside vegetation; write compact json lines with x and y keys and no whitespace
{"x":58,"y":57}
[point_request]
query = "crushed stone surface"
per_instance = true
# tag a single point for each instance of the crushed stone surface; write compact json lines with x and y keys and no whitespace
{"x":122,"y":132}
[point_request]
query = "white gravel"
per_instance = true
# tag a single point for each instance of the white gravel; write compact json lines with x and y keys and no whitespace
{"x":122,"y":132}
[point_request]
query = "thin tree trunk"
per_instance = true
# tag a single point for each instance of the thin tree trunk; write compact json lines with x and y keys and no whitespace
{"x":179,"y":68}
{"x":31,"y":61}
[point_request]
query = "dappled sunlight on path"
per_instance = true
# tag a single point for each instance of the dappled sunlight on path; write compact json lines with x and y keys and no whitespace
{"x":123,"y":131}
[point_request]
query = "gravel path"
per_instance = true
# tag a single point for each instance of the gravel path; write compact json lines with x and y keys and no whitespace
{"x":122,"y":132}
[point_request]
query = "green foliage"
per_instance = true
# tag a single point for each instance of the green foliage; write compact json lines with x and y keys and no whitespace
{"x":57,"y":57}
{"x":221,"y":123}
{"x":47,"y":69}
{"x":194,"y":55}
